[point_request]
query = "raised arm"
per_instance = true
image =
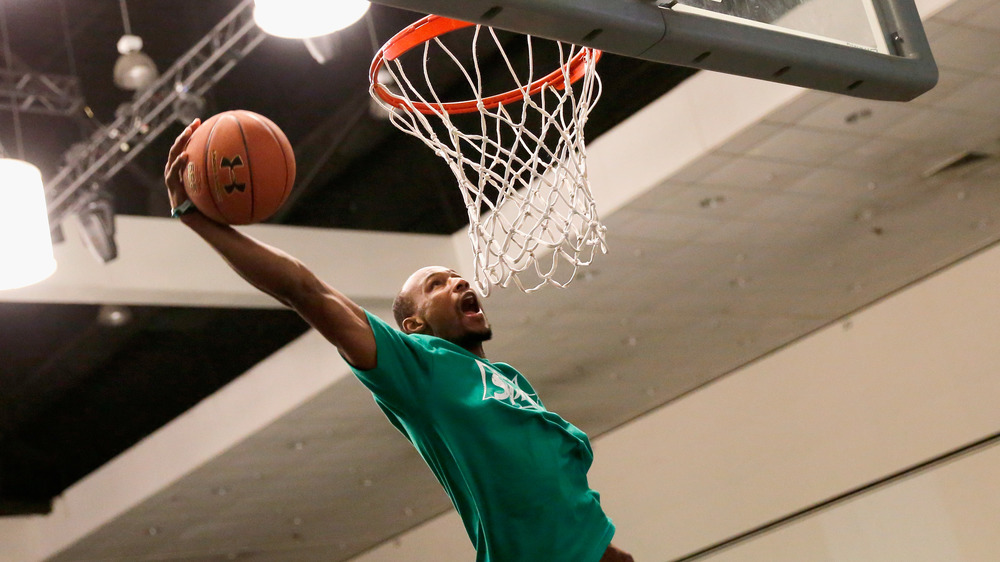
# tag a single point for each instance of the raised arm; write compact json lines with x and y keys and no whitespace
{"x":276,"y":273}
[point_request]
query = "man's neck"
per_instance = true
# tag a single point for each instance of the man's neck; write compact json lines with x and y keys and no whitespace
{"x":476,"y":350}
{"x":470,"y":343}
{"x":473,"y":346}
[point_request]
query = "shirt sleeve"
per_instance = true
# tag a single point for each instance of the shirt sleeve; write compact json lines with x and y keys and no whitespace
{"x":402,"y":367}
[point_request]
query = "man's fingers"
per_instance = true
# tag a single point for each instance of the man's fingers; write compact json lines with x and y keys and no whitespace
{"x":175,"y":169}
{"x":182,"y":140}
{"x":179,"y":143}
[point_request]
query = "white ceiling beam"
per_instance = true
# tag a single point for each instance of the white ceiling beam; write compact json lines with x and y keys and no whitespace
{"x":160,"y":262}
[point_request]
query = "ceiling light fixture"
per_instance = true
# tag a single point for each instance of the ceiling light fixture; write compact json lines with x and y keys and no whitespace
{"x":134,"y":70}
{"x":97,"y":224}
{"x":299,"y":19}
{"x":25,"y":240}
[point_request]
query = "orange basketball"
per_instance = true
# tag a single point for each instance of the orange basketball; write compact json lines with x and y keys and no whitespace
{"x":240,"y":168}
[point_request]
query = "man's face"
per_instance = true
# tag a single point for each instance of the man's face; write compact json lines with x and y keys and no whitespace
{"x":446,"y":307}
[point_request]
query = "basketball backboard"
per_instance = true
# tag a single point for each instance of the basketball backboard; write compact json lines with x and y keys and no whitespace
{"x":865,"y":48}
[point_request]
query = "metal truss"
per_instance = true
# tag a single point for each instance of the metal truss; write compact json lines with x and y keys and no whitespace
{"x":93,"y":162}
{"x":32,"y":92}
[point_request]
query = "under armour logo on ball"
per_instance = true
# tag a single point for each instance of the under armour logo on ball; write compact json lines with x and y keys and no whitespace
{"x":232,"y":164}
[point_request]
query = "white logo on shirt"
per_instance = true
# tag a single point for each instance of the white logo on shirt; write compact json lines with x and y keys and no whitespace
{"x":504,"y":390}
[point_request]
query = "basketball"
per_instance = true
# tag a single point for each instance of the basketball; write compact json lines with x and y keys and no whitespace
{"x":240,"y":169}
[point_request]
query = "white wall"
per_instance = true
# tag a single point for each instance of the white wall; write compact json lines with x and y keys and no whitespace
{"x":950,"y":513}
{"x":905,"y":380}
{"x":20,"y":538}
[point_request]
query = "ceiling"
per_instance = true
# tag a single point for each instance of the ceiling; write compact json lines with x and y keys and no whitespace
{"x":820,"y":207}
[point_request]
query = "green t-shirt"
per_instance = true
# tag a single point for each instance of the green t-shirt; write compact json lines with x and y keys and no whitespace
{"x":516,"y":472}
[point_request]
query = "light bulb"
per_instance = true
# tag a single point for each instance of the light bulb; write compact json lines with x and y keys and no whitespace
{"x":299,"y":19}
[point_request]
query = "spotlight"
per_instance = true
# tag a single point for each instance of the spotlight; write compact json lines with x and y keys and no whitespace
{"x":97,"y":222}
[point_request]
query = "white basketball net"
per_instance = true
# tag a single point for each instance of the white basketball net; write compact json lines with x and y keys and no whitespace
{"x":522,"y":170}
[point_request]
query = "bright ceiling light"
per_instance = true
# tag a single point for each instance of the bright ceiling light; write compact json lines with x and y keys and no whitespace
{"x":25,"y":242}
{"x":299,"y":19}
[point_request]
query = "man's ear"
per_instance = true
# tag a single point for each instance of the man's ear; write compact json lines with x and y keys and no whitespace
{"x":413,"y":325}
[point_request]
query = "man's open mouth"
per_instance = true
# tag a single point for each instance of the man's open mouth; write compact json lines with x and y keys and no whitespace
{"x":470,"y":304}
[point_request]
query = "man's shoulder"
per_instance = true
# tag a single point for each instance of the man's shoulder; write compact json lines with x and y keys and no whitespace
{"x":385,"y":331}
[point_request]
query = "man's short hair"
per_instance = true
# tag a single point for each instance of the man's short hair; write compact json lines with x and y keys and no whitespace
{"x":403,"y":307}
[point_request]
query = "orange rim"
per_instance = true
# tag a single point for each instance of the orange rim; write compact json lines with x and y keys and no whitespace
{"x":435,"y":26}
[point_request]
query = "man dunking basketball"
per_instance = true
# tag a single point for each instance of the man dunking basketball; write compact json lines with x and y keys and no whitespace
{"x":516,"y":473}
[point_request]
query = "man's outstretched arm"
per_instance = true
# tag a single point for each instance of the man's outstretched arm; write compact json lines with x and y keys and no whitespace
{"x":278,"y":274}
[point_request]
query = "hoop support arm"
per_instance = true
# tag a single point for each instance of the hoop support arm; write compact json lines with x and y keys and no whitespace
{"x":652,"y":30}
